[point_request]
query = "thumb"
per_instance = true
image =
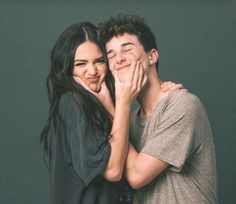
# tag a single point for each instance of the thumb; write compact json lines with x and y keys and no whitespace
{"x":103,"y":87}
{"x":115,"y":75}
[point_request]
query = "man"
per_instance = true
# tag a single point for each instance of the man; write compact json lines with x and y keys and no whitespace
{"x":172,"y":156}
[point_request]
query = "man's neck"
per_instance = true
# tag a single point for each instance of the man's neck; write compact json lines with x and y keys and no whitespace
{"x":151,"y":95}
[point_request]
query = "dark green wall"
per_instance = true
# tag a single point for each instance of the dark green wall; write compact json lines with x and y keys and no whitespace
{"x":196,"y":41}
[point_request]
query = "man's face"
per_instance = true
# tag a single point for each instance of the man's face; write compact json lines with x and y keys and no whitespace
{"x":122,"y":50}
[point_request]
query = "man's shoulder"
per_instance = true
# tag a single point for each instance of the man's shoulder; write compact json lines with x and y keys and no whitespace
{"x":180,"y":101}
{"x":183,"y":94}
{"x":183,"y":97}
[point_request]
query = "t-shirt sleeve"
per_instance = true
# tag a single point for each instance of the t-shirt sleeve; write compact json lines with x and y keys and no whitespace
{"x":172,"y":139}
{"x":90,"y":149}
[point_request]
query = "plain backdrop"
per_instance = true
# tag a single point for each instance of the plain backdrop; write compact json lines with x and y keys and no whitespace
{"x":196,"y":42}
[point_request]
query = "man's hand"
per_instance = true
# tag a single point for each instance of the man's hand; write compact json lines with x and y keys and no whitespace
{"x":103,"y":95}
{"x":170,"y":86}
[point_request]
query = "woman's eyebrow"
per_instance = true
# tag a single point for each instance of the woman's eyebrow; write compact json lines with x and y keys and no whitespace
{"x":80,"y":60}
{"x":99,"y":59}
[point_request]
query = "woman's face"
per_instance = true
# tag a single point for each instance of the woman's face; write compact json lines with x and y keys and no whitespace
{"x":89,"y":66}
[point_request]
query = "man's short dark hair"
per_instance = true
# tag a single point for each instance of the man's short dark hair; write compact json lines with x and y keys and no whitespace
{"x":131,"y":24}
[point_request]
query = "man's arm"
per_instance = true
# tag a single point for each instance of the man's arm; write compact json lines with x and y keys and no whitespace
{"x":141,"y":168}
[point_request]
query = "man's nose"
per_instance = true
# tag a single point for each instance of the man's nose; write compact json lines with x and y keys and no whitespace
{"x":120,"y":58}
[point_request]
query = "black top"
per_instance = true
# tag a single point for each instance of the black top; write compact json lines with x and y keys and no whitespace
{"x":77,"y":159}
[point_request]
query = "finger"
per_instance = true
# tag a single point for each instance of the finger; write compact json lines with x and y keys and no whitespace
{"x":104,"y":94}
{"x":133,"y":74}
{"x":103,"y":84}
{"x":180,"y":86}
{"x":170,"y":86}
{"x":166,"y":86}
{"x":103,"y":87}
{"x":165,"y":83}
{"x":177,"y":86}
{"x":144,"y":80}
{"x":136,"y":75}
{"x":133,"y":61}
{"x":141,"y":77}
{"x":115,"y":75}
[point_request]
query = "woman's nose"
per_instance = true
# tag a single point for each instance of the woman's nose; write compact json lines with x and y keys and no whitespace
{"x":93,"y":70}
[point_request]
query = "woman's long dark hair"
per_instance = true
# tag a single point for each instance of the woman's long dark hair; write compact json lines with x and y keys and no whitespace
{"x":60,"y":80}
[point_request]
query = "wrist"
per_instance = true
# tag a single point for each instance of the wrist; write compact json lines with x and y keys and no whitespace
{"x":122,"y":109}
{"x":123,"y":104}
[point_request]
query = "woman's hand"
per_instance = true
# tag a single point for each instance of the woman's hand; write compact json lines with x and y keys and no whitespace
{"x":126,"y":91}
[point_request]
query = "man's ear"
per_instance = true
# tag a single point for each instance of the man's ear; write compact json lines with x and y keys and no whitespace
{"x":153,"y":56}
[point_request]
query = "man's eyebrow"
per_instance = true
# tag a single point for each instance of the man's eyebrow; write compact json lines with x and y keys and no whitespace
{"x":125,"y":44}
{"x":122,"y":45}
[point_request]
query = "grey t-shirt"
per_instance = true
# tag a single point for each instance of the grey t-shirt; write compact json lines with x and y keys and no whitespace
{"x":178,"y":132}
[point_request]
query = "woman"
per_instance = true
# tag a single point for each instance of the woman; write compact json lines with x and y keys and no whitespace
{"x":85,"y":147}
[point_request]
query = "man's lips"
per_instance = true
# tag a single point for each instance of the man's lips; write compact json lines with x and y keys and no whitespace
{"x":123,"y":67}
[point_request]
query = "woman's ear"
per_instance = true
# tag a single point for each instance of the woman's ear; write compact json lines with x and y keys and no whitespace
{"x":153,"y":56}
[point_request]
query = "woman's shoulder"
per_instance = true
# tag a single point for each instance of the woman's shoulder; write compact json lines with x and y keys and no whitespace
{"x":68,"y":106}
{"x":66,"y":99}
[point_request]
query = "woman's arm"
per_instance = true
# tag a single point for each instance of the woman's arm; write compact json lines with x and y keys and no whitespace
{"x":126,"y":93}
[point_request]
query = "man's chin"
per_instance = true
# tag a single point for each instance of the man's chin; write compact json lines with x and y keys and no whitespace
{"x":123,"y":77}
{"x":124,"y":74}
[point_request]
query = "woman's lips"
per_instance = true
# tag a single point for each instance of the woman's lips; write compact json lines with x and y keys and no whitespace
{"x":93,"y":79}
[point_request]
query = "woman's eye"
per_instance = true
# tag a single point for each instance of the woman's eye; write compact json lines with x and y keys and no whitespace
{"x":79,"y":64}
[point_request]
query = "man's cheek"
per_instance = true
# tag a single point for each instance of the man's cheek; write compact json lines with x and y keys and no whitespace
{"x":132,"y":57}
{"x":111,"y":66}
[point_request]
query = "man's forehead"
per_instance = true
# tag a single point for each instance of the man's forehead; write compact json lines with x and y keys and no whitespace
{"x":125,"y":36}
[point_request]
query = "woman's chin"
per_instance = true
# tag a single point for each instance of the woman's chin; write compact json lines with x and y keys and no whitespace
{"x":95,"y":88}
